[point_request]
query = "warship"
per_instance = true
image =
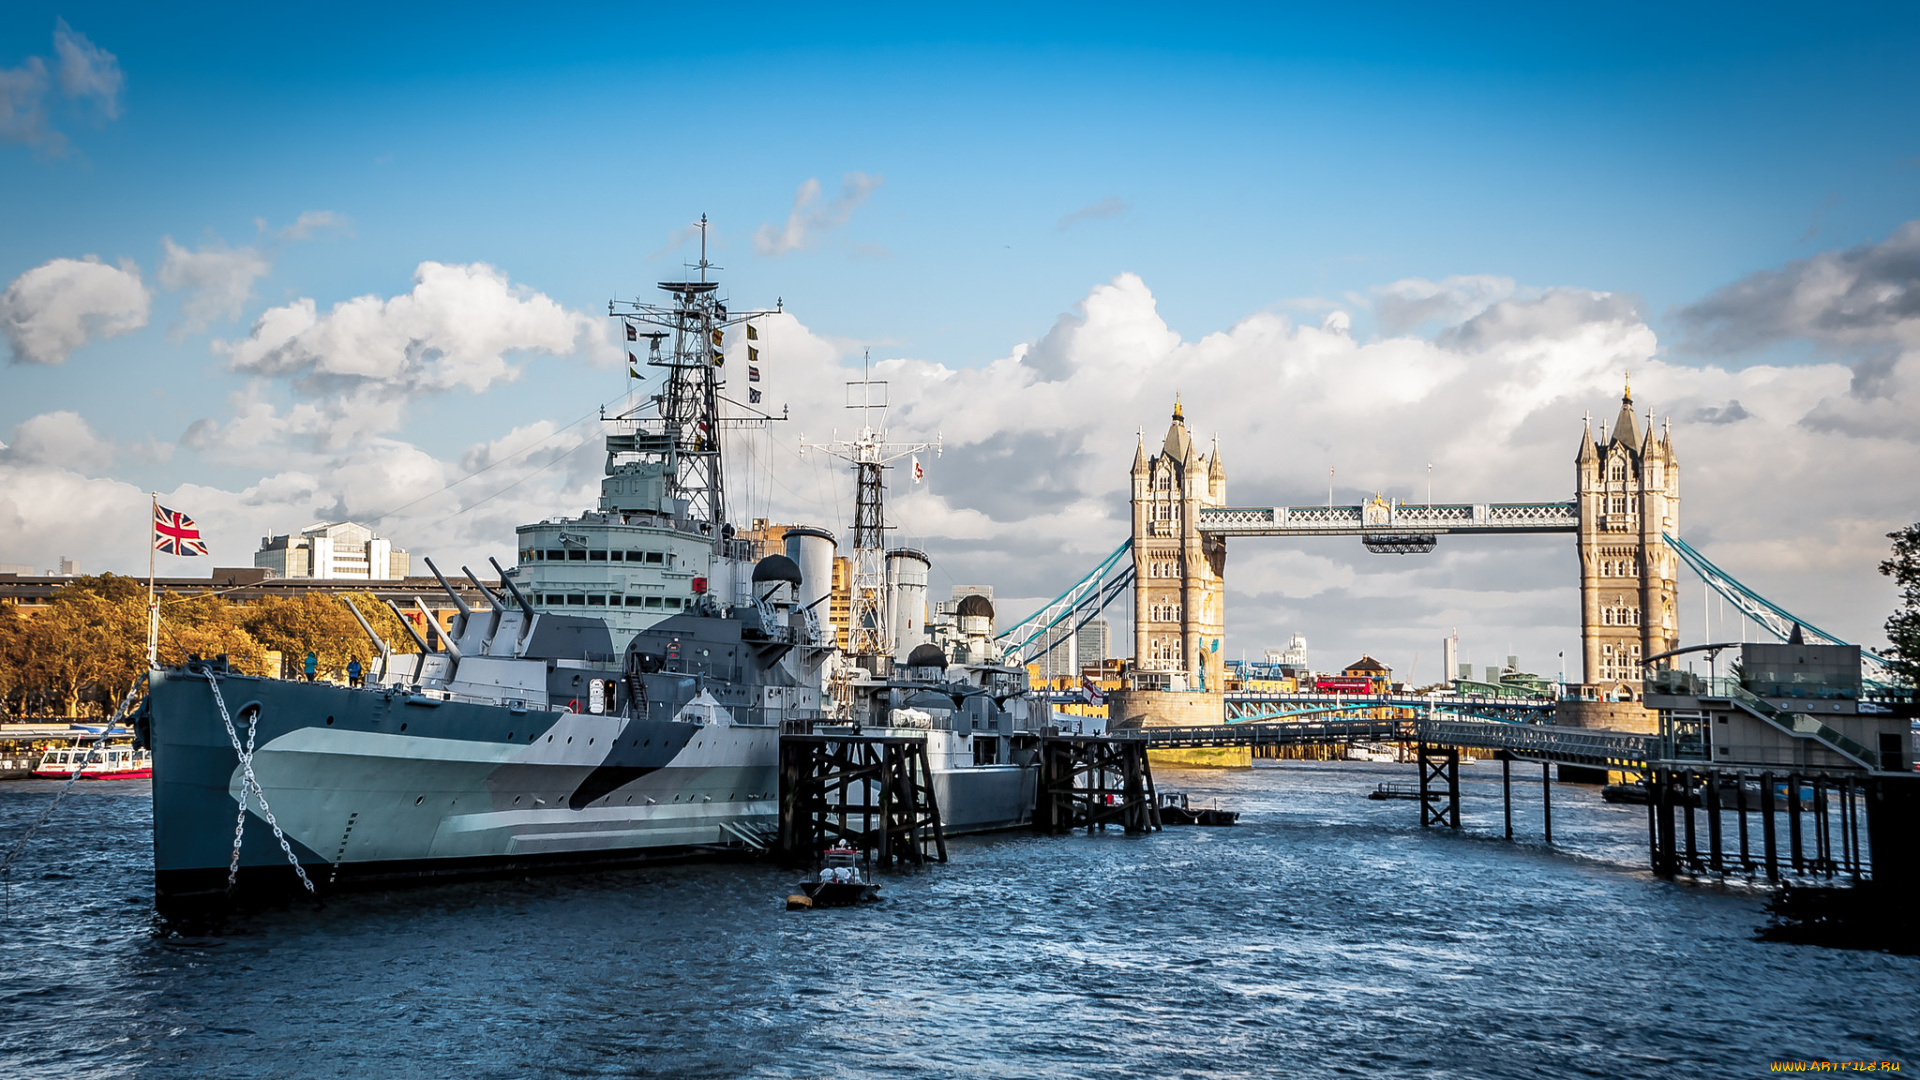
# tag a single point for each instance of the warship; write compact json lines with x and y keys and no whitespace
{"x":619,"y":698}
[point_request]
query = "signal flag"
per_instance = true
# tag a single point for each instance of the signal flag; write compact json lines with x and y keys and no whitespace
{"x":752,"y":334}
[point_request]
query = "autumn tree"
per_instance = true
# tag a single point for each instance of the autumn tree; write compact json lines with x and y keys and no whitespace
{"x":312,"y":623}
{"x":208,"y":626}
{"x":1903,"y":626}
{"x":12,"y":658}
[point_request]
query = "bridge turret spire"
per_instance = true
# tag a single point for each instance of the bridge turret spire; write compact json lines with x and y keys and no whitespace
{"x":1625,"y":430}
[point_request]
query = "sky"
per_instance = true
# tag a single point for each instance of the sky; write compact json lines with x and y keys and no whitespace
{"x":293,"y":265}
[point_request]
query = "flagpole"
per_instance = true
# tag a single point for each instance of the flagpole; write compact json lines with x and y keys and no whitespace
{"x":153,"y":609}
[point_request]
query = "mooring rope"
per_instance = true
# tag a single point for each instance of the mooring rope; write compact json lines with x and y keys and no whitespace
{"x":249,"y":785}
{"x":6,"y":864}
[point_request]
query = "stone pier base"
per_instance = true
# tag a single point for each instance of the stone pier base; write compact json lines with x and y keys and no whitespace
{"x":1136,"y":709}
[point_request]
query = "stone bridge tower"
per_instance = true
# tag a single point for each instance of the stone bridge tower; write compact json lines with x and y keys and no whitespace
{"x":1179,"y":614}
{"x":1629,"y":492}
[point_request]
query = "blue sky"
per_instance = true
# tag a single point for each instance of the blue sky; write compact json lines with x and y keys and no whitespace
{"x":1239,"y":161}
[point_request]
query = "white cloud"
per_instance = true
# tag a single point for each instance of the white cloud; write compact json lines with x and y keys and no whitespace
{"x":84,"y":72}
{"x":23,"y":115}
{"x":810,"y":220}
{"x":1413,"y":302}
{"x":87,"y":70}
{"x":58,"y":306}
{"x":1861,"y":302}
{"x":218,"y":279}
{"x":58,"y":438}
{"x":458,"y":327}
{"x":312,"y":222}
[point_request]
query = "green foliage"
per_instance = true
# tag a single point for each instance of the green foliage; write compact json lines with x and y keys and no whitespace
{"x":84,"y":649}
{"x":1903,"y":626}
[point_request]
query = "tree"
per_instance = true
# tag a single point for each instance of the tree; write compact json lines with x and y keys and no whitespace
{"x":12,"y":657}
{"x":208,"y":626}
{"x":1903,"y":626}
{"x":295,"y":626}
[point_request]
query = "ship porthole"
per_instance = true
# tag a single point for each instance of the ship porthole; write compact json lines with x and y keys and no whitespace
{"x":569,"y":738}
{"x":403,"y":727}
{"x":329,"y":719}
{"x":516,"y":800}
{"x":419,"y":800}
{"x":509,"y":734}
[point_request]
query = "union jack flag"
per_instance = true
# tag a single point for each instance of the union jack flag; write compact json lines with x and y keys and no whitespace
{"x":174,"y":533}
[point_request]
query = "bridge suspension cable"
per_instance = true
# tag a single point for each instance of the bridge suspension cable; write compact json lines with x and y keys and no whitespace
{"x":1770,"y":616}
{"x":1033,"y":637}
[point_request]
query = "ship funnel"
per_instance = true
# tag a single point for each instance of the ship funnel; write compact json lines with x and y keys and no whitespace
{"x":811,"y":550}
{"x":907,"y":598}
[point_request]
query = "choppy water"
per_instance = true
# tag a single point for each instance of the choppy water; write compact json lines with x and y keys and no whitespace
{"x":1325,"y":936}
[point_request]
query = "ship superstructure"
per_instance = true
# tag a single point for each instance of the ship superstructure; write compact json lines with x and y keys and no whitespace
{"x":659,"y":537}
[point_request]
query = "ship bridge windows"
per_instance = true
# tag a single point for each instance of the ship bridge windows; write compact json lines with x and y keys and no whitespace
{"x":597,"y":556}
{"x":617,"y":556}
{"x":577,"y":599}
{"x":556,"y":555}
{"x":576,"y":555}
{"x":596,"y":600}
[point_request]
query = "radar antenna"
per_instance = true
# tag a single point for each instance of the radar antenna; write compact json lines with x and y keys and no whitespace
{"x":868,"y":619}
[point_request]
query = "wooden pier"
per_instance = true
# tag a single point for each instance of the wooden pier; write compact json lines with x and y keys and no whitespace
{"x":1090,"y":782}
{"x":870,"y":792}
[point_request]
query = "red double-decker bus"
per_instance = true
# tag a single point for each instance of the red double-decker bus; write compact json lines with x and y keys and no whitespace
{"x":1343,"y":684}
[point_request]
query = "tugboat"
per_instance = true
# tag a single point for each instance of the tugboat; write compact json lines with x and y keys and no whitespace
{"x":1175,"y":810}
{"x":843,"y":883}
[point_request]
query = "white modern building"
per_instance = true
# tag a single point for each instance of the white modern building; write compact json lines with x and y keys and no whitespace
{"x":339,"y":550}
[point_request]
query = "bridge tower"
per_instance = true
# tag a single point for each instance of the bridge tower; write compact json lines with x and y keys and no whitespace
{"x":1179,"y":600}
{"x":1629,"y":493}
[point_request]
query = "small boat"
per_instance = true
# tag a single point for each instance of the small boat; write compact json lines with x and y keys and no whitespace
{"x":1395,"y":791}
{"x":109,"y":763}
{"x":842,"y":883}
{"x":1175,"y":810}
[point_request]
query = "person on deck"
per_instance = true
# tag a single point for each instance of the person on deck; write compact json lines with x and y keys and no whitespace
{"x":353,"y":672}
{"x":312,"y":665}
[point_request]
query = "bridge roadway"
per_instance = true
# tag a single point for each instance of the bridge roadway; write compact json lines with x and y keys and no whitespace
{"x":1381,"y":516}
{"x":1532,"y":742}
{"x":1245,"y":707}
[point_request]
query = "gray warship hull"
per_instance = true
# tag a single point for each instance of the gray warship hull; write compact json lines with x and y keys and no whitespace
{"x":380,"y":785}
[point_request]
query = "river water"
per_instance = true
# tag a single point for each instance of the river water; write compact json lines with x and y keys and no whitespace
{"x":1327,"y":935}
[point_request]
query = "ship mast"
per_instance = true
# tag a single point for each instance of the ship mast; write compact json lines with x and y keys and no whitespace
{"x":694,"y":323}
{"x":868,"y":619}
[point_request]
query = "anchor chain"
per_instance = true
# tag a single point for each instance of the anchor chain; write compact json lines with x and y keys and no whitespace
{"x":250,"y":786}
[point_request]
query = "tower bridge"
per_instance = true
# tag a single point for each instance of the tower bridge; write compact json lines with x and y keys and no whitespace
{"x":1626,"y":499}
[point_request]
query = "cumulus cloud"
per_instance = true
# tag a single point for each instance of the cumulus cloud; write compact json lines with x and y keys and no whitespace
{"x":810,"y":219}
{"x":85,"y":73}
{"x":1862,"y":302}
{"x":1413,"y":302}
{"x":57,"y":438}
{"x":1111,"y":206}
{"x":60,"y":305}
{"x":218,"y":280}
{"x":1730,"y":413}
{"x":458,"y":327}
